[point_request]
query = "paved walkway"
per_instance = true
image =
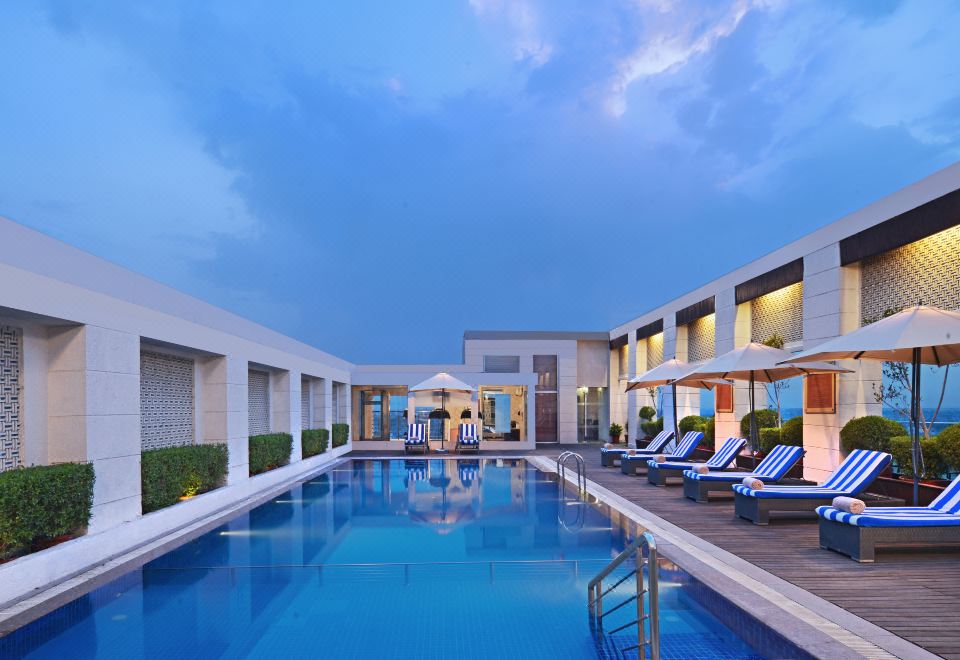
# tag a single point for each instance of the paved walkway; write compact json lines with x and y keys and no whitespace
{"x":915,"y":595}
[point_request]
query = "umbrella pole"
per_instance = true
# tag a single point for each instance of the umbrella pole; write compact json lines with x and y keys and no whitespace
{"x":915,"y":426}
{"x":753,"y":415}
{"x":443,"y":419}
{"x":676,"y":422}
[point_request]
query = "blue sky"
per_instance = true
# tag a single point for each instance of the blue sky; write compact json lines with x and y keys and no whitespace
{"x":376,"y":177}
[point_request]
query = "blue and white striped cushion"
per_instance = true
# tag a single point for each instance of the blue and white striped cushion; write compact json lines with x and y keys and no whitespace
{"x":416,"y":470}
{"x":681,"y":453}
{"x":416,"y":434}
{"x":468,"y":434}
{"x":857,"y":472}
{"x":722,"y":458}
{"x":468,"y":471}
{"x":772,"y":468}
{"x":656,"y":445}
{"x":942,"y":512}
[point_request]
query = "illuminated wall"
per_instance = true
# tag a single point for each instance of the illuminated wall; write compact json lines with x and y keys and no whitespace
{"x":701,"y":339}
{"x":780,"y":312}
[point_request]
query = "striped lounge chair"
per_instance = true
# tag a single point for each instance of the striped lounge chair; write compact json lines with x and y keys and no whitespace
{"x":771,"y":469}
{"x":853,"y":476}
{"x":467,"y":438}
{"x":468,"y":471}
{"x":637,"y":463}
{"x":416,"y":439}
{"x":609,"y":457}
{"x":857,"y":535}
{"x":416,"y":469}
{"x":658,"y":473}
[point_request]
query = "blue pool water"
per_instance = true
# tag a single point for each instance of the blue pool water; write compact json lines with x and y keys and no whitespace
{"x":378,"y":559}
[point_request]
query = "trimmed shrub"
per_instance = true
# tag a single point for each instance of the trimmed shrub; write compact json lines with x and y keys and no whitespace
{"x":770,"y":438}
{"x":340,"y":434}
{"x":41,"y":503}
{"x":692,"y":423}
{"x":792,"y":432}
{"x":870,"y":432}
{"x":652,"y":428}
{"x":314,"y":441}
{"x":933,"y":460}
{"x":948,"y":444}
{"x":766,"y":419}
{"x":709,"y":434}
{"x":170,"y":473}
{"x":647,"y":413}
{"x":269,"y":451}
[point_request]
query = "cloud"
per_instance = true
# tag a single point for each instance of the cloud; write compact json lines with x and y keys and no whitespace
{"x":521,"y":19}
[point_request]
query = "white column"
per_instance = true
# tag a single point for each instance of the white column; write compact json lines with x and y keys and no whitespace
{"x":285,"y":403}
{"x":93,"y":394}
{"x":632,"y":420}
{"x":831,"y":307}
{"x":225,"y":400}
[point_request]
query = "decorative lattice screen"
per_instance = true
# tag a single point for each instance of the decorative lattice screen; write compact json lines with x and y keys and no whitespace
{"x":654,"y":351}
{"x":927,"y":270}
{"x":305,"y":417}
{"x":779,"y":312}
{"x":258,"y":402}
{"x":701,"y":339}
{"x":166,"y":401}
{"x":11,"y":365}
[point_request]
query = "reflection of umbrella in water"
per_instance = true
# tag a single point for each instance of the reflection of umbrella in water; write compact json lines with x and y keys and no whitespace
{"x":446,"y":517}
{"x":443,"y":382}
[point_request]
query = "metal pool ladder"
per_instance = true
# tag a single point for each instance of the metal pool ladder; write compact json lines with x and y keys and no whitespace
{"x":596,"y":595}
{"x":581,"y":471}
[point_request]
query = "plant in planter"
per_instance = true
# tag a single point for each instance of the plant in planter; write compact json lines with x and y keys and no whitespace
{"x":948,"y":444}
{"x":647,"y":413}
{"x":792,"y":432}
{"x":870,"y":432}
{"x":934,"y":462}
{"x":709,"y":433}
{"x":615,"y":431}
{"x":692,"y":423}
{"x":766,"y":419}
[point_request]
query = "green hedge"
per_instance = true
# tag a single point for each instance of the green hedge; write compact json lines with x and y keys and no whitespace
{"x":314,"y":441}
{"x":269,"y":451}
{"x":792,"y":432}
{"x":709,"y":434}
{"x":870,"y":432}
{"x":340,"y":434}
{"x":170,"y":473}
{"x":948,"y":444}
{"x":647,"y":413}
{"x":770,"y":438}
{"x":766,"y":419}
{"x":935,"y":467}
{"x":43,"y":502}
{"x":652,"y":428}
{"x":692,"y":423}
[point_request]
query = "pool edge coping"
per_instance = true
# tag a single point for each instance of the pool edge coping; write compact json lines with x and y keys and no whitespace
{"x":814,"y":624}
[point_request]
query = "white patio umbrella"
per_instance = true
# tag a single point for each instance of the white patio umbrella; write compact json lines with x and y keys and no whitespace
{"x":443,"y":382}
{"x":666,"y":374}
{"x":918,"y":335}
{"x":755,"y":363}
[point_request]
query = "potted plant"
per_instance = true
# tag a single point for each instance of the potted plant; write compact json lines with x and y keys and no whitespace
{"x":615,"y":431}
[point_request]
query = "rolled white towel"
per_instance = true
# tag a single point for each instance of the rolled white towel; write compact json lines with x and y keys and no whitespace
{"x":701,"y":469}
{"x":849,"y":504}
{"x":660,"y":458}
{"x":753,"y":483}
{"x":632,"y":452}
{"x":607,"y":445}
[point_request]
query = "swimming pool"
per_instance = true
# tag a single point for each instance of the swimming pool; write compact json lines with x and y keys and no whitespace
{"x":378,"y":558}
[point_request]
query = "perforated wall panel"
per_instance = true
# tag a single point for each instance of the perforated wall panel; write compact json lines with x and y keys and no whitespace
{"x":305,"y":417}
{"x":11,"y":366}
{"x":701,"y":339}
{"x":259,"y":402}
{"x":779,"y":312}
{"x":166,"y":401}
{"x":654,"y":351}
{"x":927,"y":270}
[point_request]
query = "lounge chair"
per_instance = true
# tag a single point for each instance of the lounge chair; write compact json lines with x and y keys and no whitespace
{"x":853,"y":476}
{"x":771,"y":469}
{"x":610,"y":455}
{"x":467,"y":438}
{"x":416,"y":469}
{"x":468,"y":471}
{"x":416,"y":439}
{"x":857,"y":535}
{"x":658,"y":473}
{"x":637,"y":463}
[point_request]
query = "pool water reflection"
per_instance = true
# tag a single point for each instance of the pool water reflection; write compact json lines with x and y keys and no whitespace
{"x":376,"y":558}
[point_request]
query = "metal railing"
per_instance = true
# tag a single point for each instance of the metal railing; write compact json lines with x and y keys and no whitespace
{"x":596,"y":594}
{"x":581,"y":471}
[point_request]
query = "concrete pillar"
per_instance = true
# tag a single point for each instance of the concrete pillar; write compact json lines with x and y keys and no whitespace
{"x":225,"y":417}
{"x":688,"y":398}
{"x":831,"y":307}
{"x":633,"y":421}
{"x":285,"y":405}
{"x":728,"y":335}
{"x":93,"y":394}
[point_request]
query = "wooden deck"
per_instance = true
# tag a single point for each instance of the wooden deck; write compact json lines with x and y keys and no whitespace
{"x":915,"y":595}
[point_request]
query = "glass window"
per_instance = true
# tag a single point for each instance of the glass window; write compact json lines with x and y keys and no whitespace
{"x":591,"y":413}
{"x":398,"y":416}
{"x":380,"y":413}
{"x":545,"y":366}
{"x":501,"y":364}
{"x":504,"y":413}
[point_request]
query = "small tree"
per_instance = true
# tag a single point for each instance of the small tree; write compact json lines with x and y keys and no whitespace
{"x":776,"y":390}
{"x":896,"y":388}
